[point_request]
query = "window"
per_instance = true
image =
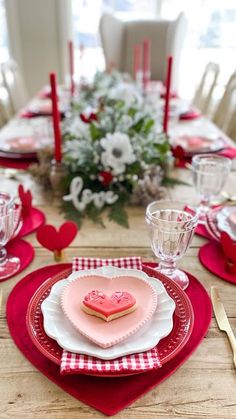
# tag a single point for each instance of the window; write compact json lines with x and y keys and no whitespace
{"x":4,"y":52}
{"x":86,"y":15}
{"x":211,"y":37}
{"x":211,"y":34}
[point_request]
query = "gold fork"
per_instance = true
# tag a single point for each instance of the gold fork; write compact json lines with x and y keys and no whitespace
{"x":0,"y":300}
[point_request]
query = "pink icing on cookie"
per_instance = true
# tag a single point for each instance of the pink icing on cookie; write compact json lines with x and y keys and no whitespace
{"x":118,"y":302}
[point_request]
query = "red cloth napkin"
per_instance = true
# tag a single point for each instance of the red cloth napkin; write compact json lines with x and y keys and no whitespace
{"x":181,"y":160}
{"x":189,"y":115}
{"x":229,"y":152}
{"x":109,"y":395}
{"x":29,"y":114}
{"x":16,"y":163}
{"x":77,"y":363}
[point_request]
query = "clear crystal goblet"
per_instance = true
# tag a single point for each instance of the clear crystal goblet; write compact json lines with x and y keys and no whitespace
{"x":10,"y":222}
{"x":171,"y":229}
{"x":210,"y":172}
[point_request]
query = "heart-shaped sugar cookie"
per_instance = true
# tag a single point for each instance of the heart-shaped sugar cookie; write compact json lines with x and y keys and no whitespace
{"x":97,"y":303}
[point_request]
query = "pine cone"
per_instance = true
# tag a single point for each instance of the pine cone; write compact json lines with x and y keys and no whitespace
{"x":40,"y":171}
{"x":149,"y":188}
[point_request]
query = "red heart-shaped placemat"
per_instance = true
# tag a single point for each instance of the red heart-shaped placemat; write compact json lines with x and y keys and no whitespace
{"x":53,"y":239}
{"x":100,"y":393}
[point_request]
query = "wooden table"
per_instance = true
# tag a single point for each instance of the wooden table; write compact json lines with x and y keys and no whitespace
{"x":204,"y":386}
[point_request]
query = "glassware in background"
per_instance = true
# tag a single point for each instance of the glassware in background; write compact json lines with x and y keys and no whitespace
{"x":6,"y":202}
{"x":174,"y":112}
{"x":210,"y":172}
{"x":43,"y":132}
{"x":171,"y":230}
{"x":10,"y":222}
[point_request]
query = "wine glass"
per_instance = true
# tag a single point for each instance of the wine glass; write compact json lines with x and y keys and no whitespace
{"x":210,"y":172}
{"x":171,"y":230}
{"x":10,"y":213}
{"x":6,"y":201}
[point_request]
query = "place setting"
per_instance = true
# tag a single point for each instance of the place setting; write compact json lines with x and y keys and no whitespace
{"x":19,"y":218}
{"x":218,"y":256}
{"x":187,"y":142}
{"x":20,"y":142}
{"x":216,"y":222}
{"x":43,"y":108}
{"x":84,"y":325}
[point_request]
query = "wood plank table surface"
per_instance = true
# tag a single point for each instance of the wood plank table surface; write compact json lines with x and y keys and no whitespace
{"x":204,"y":386}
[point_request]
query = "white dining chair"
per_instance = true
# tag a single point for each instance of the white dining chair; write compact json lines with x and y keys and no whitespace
{"x":166,"y":37}
{"x":224,"y":109}
{"x":204,"y":92}
{"x":15,"y":85}
{"x":225,"y":116}
{"x":6,"y":111}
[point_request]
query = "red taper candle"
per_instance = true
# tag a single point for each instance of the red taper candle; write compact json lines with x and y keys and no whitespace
{"x":146,"y":62}
{"x":71,"y":67}
{"x":137,"y":56}
{"x":55,"y":118}
{"x":167,"y":95}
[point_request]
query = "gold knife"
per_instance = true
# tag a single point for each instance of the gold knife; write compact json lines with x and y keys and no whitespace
{"x":222,"y":319}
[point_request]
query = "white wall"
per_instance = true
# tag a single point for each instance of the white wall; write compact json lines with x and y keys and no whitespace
{"x":37,"y":36}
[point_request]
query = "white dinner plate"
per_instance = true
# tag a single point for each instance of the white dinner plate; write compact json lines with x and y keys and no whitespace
{"x":223,"y":221}
{"x":58,"y":327}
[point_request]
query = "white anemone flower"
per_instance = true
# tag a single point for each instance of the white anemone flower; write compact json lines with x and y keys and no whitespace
{"x":117,"y":152}
{"x":126,"y":92}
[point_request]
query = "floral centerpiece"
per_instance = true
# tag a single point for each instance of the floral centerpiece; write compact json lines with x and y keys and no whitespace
{"x":113,"y":150}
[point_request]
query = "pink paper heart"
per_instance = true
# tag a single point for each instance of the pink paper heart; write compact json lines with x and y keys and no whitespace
{"x":229,"y":249}
{"x":178,"y":152}
{"x":52,"y":239}
{"x":228,"y":245}
{"x":25,"y":198}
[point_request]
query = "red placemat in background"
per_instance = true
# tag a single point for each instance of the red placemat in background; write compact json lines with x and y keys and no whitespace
{"x":32,"y":221}
{"x":21,"y":249}
{"x":100,"y":393}
{"x":212,"y":257}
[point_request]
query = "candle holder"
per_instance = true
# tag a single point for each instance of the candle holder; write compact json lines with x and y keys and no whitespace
{"x":57,"y":174}
{"x":59,"y":255}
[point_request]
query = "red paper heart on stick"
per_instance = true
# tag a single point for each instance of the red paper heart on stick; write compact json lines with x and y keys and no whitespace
{"x":54,"y":240}
{"x":229,"y":249}
{"x":178,"y":151}
{"x":26,"y":199}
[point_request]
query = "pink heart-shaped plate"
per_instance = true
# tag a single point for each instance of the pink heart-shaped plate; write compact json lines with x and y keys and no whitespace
{"x":106,"y":334}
